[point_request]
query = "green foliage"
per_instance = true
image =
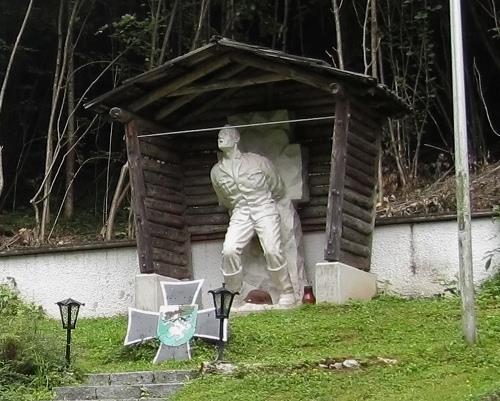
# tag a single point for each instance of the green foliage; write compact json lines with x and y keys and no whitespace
{"x":29,"y":354}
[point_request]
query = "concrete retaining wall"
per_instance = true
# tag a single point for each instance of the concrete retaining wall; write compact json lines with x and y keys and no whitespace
{"x":417,"y":259}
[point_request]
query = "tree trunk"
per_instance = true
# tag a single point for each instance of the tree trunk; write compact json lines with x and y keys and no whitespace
{"x":70,"y":158}
{"x":118,"y":196}
{"x":167,"y":33}
{"x":13,"y":53}
{"x":340,"y":52}
{"x":1,"y":171}
{"x":203,"y":12}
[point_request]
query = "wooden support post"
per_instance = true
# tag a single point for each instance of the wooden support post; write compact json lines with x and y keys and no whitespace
{"x":337,"y":176}
{"x":138,"y":188}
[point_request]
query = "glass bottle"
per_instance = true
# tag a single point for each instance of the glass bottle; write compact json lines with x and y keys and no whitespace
{"x":308,"y":297}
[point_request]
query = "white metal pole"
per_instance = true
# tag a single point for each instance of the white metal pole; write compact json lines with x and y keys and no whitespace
{"x":462,"y":175}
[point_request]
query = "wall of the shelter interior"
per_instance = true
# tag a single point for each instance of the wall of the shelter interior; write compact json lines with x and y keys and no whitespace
{"x":204,"y":217}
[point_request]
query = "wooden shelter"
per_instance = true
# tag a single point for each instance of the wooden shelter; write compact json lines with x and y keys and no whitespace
{"x":173,"y":199}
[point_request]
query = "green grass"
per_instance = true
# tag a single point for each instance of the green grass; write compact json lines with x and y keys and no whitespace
{"x":279,"y":353}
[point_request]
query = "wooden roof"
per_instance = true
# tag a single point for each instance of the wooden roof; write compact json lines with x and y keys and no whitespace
{"x":221,"y":70}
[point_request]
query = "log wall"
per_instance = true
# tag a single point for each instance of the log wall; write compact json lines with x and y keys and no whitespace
{"x":159,"y":203}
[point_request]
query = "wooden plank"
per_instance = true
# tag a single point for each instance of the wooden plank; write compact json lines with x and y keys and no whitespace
{"x":197,"y":172}
{"x":365,"y":202}
{"x":358,"y":212}
{"x":173,"y":271}
{"x":195,"y":181}
{"x":208,"y":220}
{"x":355,"y":236}
{"x":367,"y":180}
{"x":207,"y":237}
{"x":204,"y":230}
{"x":361,"y":143}
{"x":138,"y":189}
{"x":357,"y":224}
{"x":169,"y":169}
{"x":199,"y":190}
{"x":362,"y":167}
{"x":359,"y":262}
{"x":204,"y":159}
{"x":173,"y":85}
{"x":169,"y":257}
{"x":202,"y":200}
{"x":313,"y":221}
{"x":361,"y":156}
{"x":318,"y":201}
{"x":206,"y":141}
{"x":196,"y":210}
{"x":319,"y":168}
{"x":164,"y":142}
{"x":288,"y":71}
{"x":363,"y":130}
{"x":312,"y":211}
{"x":357,"y":187}
{"x":157,"y":153}
{"x":319,"y":180}
{"x":355,"y":249}
{"x":170,"y":220}
{"x":337,"y":176}
{"x":235,"y":82}
{"x":172,"y":246}
{"x":165,"y":111}
{"x":169,"y":233}
{"x":162,"y":180}
{"x":313,"y":228}
{"x":367,"y":113}
{"x":165,"y":206}
{"x":160,"y":193}
{"x":319,"y":190}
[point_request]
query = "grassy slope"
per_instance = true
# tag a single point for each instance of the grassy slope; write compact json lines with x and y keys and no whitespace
{"x":423,"y":335}
{"x":280,"y":353}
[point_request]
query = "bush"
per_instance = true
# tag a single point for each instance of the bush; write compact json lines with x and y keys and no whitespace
{"x":28,"y":355}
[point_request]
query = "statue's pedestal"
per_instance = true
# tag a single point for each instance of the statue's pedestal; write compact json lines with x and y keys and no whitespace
{"x":148,"y":294}
{"x":338,"y":283}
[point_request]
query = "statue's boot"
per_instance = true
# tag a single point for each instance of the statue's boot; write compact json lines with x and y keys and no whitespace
{"x":234,"y":281}
{"x":281,"y":278}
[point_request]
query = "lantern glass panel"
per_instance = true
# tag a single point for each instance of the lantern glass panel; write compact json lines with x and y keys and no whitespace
{"x":74,"y":314}
{"x":64,"y":309}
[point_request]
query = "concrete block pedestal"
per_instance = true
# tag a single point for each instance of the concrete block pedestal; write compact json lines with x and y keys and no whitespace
{"x":148,"y":294}
{"x":338,"y":283}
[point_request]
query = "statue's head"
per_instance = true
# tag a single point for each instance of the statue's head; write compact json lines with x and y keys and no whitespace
{"x":228,"y":137}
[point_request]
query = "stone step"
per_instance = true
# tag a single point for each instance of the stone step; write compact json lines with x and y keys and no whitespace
{"x":168,"y":376}
{"x":129,"y":399}
{"x":116,"y":392}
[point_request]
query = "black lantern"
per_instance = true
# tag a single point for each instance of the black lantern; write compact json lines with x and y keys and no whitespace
{"x":223,"y":299}
{"x":69,"y":314}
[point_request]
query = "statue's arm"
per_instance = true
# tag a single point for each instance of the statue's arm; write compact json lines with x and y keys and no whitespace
{"x":221,"y":196}
{"x":275,"y":182}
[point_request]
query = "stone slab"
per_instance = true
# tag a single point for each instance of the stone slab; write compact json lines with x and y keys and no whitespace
{"x":338,"y":283}
{"x":116,"y":391}
{"x":148,"y":292}
{"x":145,"y":377}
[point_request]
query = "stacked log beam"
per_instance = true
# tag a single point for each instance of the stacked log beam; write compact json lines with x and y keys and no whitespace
{"x":165,"y":206}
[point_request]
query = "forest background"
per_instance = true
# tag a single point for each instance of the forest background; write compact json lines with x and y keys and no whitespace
{"x":61,"y":163}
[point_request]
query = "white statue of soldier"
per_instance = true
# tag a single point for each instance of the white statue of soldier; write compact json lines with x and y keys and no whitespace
{"x":249,"y":186}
